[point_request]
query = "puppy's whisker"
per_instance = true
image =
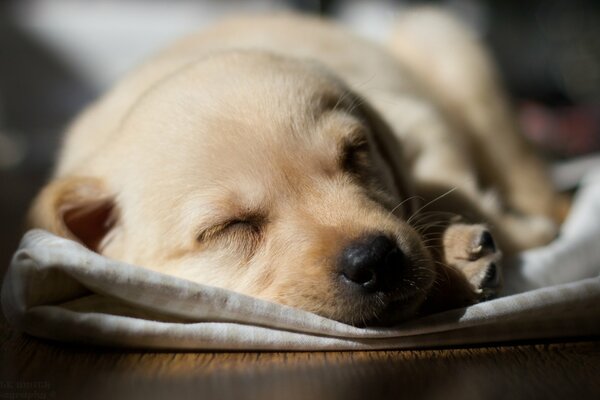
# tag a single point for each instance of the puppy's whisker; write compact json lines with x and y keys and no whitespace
{"x":436,"y":214}
{"x":430,"y":243}
{"x":430,"y":223}
{"x":357,"y":102}
{"x":431,"y":202}
{"x":403,"y":202}
{"x":363,"y":84}
{"x":429,"y":237}
{"x":352,"y":104}
{"x":340,"y":101}
{"x":426,"y":229}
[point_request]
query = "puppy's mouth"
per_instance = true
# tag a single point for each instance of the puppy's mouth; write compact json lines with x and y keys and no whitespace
{"x":395,"y":312}
{"x":387,"y":309}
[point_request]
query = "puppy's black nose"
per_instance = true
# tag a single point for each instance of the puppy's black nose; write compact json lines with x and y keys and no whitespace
{"x":374,"y":262}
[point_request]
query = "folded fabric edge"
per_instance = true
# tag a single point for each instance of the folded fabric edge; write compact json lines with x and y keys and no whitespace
{"x":125,"y":332}
{"x":19,"y":292}
{"x":576,"y":318}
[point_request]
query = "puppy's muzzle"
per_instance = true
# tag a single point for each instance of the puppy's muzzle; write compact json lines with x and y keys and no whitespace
{"x":374,"y":263}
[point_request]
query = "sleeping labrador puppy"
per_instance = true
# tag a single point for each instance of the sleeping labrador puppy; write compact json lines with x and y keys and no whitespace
{"x":286,"y":159}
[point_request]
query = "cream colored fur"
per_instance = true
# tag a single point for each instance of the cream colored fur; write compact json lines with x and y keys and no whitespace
{"x":220,"y":161}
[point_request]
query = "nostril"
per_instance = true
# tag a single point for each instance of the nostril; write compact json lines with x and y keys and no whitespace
{"x":359,"y":275}
{"x":382,"y":245}
{"x":371,"y":261}
{"x":394,"y":258}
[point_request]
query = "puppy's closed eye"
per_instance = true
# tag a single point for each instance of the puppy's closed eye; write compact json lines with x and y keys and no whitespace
{"x":243,"y":234}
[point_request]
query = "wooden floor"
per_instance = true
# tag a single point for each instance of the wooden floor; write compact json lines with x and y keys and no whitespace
{"x":35,"y":369}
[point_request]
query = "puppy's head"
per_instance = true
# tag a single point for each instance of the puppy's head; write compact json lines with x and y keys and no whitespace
{"x":259,"y":174}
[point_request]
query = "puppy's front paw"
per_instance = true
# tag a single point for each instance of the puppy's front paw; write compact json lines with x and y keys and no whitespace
{"x":471,"y":250}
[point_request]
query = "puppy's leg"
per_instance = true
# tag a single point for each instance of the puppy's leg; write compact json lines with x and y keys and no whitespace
{"x":452,"y":64}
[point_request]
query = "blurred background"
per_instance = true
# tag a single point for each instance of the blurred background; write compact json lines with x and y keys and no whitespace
{"x":57,"y":56}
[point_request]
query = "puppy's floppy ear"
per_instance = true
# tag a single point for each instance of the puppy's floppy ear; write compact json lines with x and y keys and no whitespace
{"x":392,"y":153}
{"x":77,"y":208}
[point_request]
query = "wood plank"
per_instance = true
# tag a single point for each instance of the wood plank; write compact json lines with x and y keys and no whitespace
{"x":33,"y":368}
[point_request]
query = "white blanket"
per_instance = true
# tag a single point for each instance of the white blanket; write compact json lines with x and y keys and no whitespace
{"x":57,"y":289}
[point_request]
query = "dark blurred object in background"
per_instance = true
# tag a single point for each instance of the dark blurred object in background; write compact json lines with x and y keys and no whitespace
{"x":562,"y":131}
{"x":56,"y":56}
{"x":549,"y":50}
{"x":549,"y":56}
{"x":38,"y":94}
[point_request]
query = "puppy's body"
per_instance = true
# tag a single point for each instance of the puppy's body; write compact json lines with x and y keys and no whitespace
{"x":243,"y":157}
